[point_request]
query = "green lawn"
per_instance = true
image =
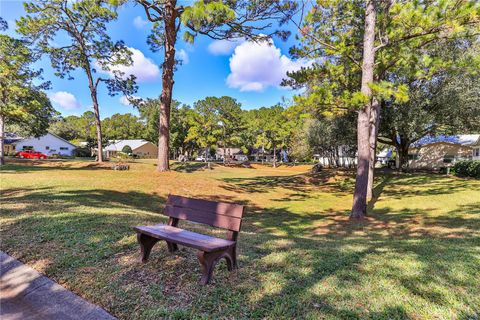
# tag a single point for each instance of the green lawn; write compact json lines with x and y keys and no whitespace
{"x":416,"y":257}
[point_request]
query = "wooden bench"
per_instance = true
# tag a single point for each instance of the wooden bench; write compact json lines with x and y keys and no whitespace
{"x":211,"y":249}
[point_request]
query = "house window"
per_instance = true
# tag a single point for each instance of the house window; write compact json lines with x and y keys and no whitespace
{"x":448,"y":158}
{"x":27,"y":148}
{"x":476,"y":152}
{"x":63,"y":148}
{"x":47,"y":148}
{"x":413,"y":157}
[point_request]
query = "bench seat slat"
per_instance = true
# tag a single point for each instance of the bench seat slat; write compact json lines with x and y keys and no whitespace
{"x":184,"y":237}
{"x":223,"y":208}
{"x":205,"y":217}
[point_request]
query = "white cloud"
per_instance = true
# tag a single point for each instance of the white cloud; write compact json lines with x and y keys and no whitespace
{"x":143,"y":68}
{"x":139,"y":22}
{"x":65,"y":100}
{"x":256,"y":66}
{"x":123,"y":100}
{"x":224,"y":47}
{"x":183,"y":55}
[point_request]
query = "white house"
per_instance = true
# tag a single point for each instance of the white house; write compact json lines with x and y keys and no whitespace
{"x":141,"y":148}
{"x":48,"y":144}
{"x":341,"y":157}
{"x":384,"y":156}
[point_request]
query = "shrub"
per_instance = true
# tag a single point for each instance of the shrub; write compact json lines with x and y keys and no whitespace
{"x":126,"y":149}
{"x":82,"y":152}
{"x":468,"y":168}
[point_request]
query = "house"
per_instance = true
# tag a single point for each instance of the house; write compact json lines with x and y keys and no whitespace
{"x":384,"y":156}
{"x":49,"y":144}
{"x":235,"y":154}
{"x":9,"y":142}
{"x":442,"y":151}
{"x":263,"y":155}
{"x":342,"y":156}
{"x":140,"y":148}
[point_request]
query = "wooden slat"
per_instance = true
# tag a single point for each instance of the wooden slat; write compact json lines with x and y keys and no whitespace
{"x":223,"y":208}
{"x":204,"y":217}
{"x":187,"y":238}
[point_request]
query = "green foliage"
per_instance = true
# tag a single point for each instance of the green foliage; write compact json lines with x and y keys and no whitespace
{"x":77,"y":128}
{"x":82,"y":152}
{"x":230,"y":121}
{"x":205,"y":16}
{"x":150,"y":112}
{"x":123,"y":126}
{"x":470,"y":168}
{"x":87,"y":47}
{"x":327,"y":135}
{"x":127,"y":149}
{"x":22,"y":102}
{"x":449,"y":104}
{"x":204,"y":123}
{"x":85,"y":23}
{"x":180,"y":125}
{"x":408,"y":34}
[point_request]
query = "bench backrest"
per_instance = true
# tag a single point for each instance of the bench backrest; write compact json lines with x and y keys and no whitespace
{"x":217,"y":214}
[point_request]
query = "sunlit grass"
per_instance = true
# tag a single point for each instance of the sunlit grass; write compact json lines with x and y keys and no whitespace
{"x":416,"y":256}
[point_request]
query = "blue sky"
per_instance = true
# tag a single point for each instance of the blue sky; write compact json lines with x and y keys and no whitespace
{"x":246,"y":71}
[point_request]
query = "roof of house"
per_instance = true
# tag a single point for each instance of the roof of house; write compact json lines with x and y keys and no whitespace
{"x":385,"y":153}
{"x":9,"y":138}
{"x":462,"y":139}
{"x":12,"y":138}
{"x":229,"y":151}
{"x":117,"y":145}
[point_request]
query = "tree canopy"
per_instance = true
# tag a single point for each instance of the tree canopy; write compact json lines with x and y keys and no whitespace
{"x":89,"y":46}
{"x":23,"y":103}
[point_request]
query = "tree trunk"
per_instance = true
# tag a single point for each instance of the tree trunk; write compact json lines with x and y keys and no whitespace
{"x":167,"y":85}
{"x":374,"y":125}
{"x":402,"y":151}
{"x":96,"y":111}
{"x":98,"y":125}
{"x":359,"y":208}
{"x":2,"y":140}
{"x":274,"y":157}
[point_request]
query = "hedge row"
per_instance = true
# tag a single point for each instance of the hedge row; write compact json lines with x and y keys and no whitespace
{"x":468,"y":168}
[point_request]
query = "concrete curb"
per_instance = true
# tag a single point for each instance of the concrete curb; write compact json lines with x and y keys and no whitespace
{"x":28,"y":295}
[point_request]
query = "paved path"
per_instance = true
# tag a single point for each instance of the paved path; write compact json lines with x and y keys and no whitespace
{"x":28,"y":295}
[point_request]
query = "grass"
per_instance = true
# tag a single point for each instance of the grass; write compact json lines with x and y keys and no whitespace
{"x":415,"y":257}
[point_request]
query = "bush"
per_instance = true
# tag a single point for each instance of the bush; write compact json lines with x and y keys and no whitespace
{"x":468,"y":168}
{"x":82,"y":152}
{"x":127,"y":149}
{"x":447,"y":170}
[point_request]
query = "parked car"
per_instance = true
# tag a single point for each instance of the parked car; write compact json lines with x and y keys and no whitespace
{"x":30,"y":154}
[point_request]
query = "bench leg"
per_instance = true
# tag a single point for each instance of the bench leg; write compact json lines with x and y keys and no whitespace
{"x":172,"y":247}
{"x":146,"y":245}
{"x":231,"y":258}
{"x":208,"y":260}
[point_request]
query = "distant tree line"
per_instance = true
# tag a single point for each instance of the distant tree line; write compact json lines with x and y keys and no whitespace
{"x":219,"y":123}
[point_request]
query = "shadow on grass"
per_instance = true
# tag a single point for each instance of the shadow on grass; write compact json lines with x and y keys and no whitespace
{"x":412,"y":185}
{"x":189,"y":167}
{"x":419,"y":260}
{"x":299,"y":183}
{"x":34,"y":166}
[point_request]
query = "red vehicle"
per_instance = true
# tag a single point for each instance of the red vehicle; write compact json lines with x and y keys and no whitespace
{"x":30,"y":154}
